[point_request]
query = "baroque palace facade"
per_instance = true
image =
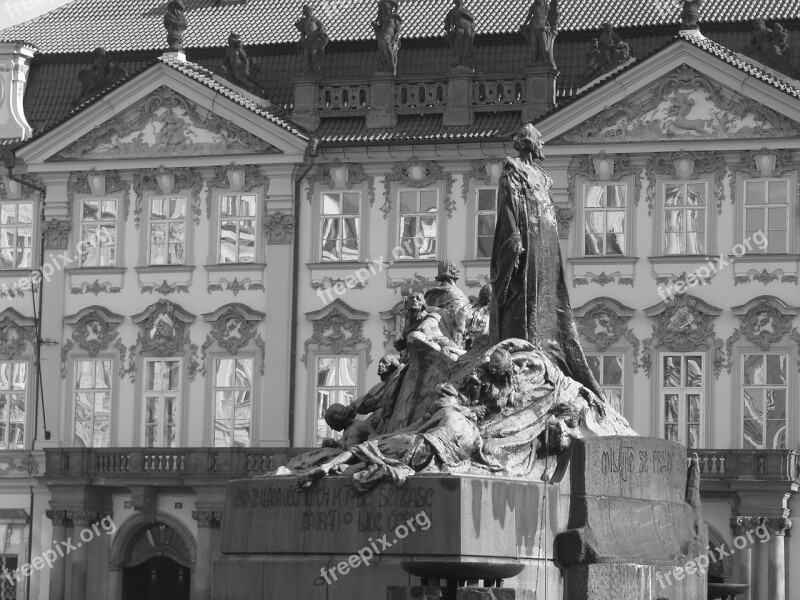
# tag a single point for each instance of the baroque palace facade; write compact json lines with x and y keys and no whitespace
{"x":215,"y":268}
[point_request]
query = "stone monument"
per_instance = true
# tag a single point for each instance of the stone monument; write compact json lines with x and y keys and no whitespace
{"x":495,"y":472}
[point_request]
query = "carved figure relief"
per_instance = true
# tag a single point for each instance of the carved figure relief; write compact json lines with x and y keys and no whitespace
{"x":765,"y":321}
{"x":683,"y":324}
{"x":338,"y":329}
{"x":684,"y":105}
{"x":164,"y":124}
{"x":234,"y":326}
{"x":16,"y":332}
{"x":94,"y":329}
{"x":604,"y":322}
{"x":163,"y":328}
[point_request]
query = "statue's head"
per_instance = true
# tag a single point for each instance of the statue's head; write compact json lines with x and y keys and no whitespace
{"x":500,"y":363}
{"x":594,"y":44}
{"x":759,"y":23}
{"x":387,"y":365}
{"x":447,"y":271}
{"x":415,"y":302}
{"x":485,"y":295}
{"x":606,"y":26}
{"x":234,"y":39}
{"x":528,"y":139}
{"x":338,"y":416}
{"x":307,"y":10}
{"x":446,"y":396}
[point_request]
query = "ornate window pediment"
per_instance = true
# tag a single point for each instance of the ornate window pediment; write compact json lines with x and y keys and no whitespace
{"x":233,"y":327}
{"x":764,"y":321}
{"x":15,"y":333}
{"x":167,"y":181}
{"x":686,"y":166}
{"x":683,"y":324}
{"x":419,"y":174}
{"x":604,"y":322}
{"x":237,"y":178}
{"x":338,"y":329}
{"x":165,"y":123}
{"x":164,"y":332}
{"x":340,"y":176}
{"x":94,"y":328}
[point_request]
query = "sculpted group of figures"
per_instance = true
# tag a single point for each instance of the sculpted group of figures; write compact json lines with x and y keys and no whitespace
{"x":498,"y":384}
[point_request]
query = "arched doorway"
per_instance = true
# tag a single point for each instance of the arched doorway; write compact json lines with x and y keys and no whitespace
{"x":157,"y":565}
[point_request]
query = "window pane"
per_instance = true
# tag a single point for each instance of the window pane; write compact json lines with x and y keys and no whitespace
{"x":754,"y":192}
{"x":694,"y":371}
{"x":776,"y":369}
{"x":487,"y":200}
{"x":594,"y":366}
{"x":595,"y":196}
{"x":428,"y":201}
{"x":616,"y":195}
{"x":672,"y":371}
{"x":693,"y":408}
{"x":331,"y":204}
{"x":754,"y":369}
{"x":408,"y":202}
{"x":776,"y":404}
{"x":671,"y":408}
{"x":778,"y":192}
{"x":351,"y":204}
{"x":612,"y":370}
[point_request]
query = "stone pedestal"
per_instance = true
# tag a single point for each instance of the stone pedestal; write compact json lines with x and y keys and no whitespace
{"x":540,"y":91}
{"x":305,"y":102}
{"x":457,"y":593}
{"x":458,"y":111}
{"x":381,"y":114}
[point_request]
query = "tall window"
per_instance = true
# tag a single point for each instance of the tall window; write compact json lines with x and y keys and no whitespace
{"x":336,"y":383}
{"x":419,"y":211}
{"x":99,"y":232}
{"x":341,"y":225}
{"x":166,"y":235}
{"x":162,"y":400}
{"x":764,"y":393}
{"x":685,"y":218}
{"x":93,"y":402}
{"x":237,"y":228}
{"x":608,"y":371}
{"x":682,"y":396}
{"x":13,"y":396}
{"x":487,"y":219}
{"x":233,"y":404}
{"x":8,"y":585}
{"x":604,"y":220}
{"x":766,"y":206}
{"x":16,"y":235}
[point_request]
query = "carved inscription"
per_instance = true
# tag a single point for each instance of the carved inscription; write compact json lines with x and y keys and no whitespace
{"x":336,"y":509}
{"x":625,"y":460}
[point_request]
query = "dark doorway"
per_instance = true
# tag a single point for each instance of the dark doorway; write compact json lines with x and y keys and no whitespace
{"x":158,"y":578}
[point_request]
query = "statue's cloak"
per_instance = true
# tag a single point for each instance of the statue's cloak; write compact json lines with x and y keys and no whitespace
{"x":531,"y":301}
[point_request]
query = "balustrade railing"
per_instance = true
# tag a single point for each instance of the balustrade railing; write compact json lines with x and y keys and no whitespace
{"x":343,"y":98}
{"x":498,"y":92}
{"x":420,"y":95}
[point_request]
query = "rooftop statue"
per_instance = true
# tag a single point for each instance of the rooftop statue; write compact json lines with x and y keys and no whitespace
{"x":540,"y":29}
{"x":459,"y":26}
{"x":175,"y":24}
{"x":690,"y":13}
{"x":102,"y":73}
{"x":770,"y":46}
{"x":387,"y":28}
{"x":236,"y":66}
{"x":313,"y":40}
{"x":516,"y":397}
{"x":606,"y":52}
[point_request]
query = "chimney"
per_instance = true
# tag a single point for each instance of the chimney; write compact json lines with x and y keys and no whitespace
{"x":15,"y":58}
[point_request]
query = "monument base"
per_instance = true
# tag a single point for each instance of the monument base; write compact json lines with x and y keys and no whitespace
{"x":435,"y":592}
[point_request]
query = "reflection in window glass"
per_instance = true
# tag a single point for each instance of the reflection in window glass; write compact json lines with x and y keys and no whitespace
{"x":92,"y":403}
{"x":767,"y":212}
{"x":233,"y":393}
{"x":166,"y":231}
{"x":604,"y":220}
{"x":418,"y":218}
{"x":608,"y":371}
{"x":487,"y":219}
{"x":162,"y":394}
{"x":685,"y":218}
{"x":764,"y":393}
{"x":682,"y":394}
{"x":98,"y":230}
{"x":335,"y":384}
{"x":340,"y":226}
{"x":16,"y":235}
{"x":237,"y":228}
{"x":13,"y":398}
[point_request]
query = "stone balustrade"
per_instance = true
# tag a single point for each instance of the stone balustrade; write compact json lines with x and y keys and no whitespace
{"x":498,"y":92}
{"x":767,"y":465}
{"x":343,"y":98}
{"x":420,"y":95}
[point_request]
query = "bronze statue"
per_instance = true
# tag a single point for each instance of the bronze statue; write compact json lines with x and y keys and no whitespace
{"x":472,"y":321}
{"x":531,"y":300}
{"x":420,"y":320}
{"x":770,"y":46}
{"x":459,"y":26}
{"x":102,"y":73}
{"x":313,"y":40}
{"x":446,"y":298}
{"x":343,"y":418}
{"x":175,"y":24}
{"x":236,"y":66}
{"x":387,"y":29}
{"x":540,"y":29}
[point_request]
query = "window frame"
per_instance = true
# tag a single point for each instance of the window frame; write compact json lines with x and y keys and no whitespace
{"x":35,"y":226}
{"x":259,"y":246}
{"x":254,"y":395}
{"x":363,"y":213}
{"x":792,"y":211}
{"x":119,"y":225}
{"x":580,"y":237}
{"x":475,"y":215}
{"x":315,"y":388}
{"x":394,"y":239}
{"x":683,"y":393}
{"x":26,"y":422}
{"x":147,"y":222}
{"x":710,"y":237}
{"x":112,"y":410}
{"x":625,"y":381}
{"x":180,"y":392}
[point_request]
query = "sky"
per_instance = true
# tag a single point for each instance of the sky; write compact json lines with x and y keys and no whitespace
{"x":17,"y":11}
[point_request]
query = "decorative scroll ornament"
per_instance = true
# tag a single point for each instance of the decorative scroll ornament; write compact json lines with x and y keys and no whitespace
{"x":233,"y":327}
{"x":55,"y":234}
{"x":163,"y":329}
{"x":683,"y":324}
{"x":602,"y":279}
{"x":168,"y":182}
{"x":164,"y":124}
{"x":279,"y":228}
{"x":416,"y":283}
{"x":95,"y":288}
{"x":603,"y":322}
{"x":683,"y":106}
{"x":340,"y":176}
{"x":765,"y":320}
{"x":16,"y":332}
{"x":601,"y":167}
{"x":165,"y":288}
{"x":236,"y":286}
{"x":485,"y":170}
{"x":98,"y":184}
{"x":94,"y":329}
{"x":338,"y":329}
{"x":765,"y":277}
{"x":763,"y":163}
{"x":237,"y":178}
{"x":419,"y":173}
{"x":686,"y":165}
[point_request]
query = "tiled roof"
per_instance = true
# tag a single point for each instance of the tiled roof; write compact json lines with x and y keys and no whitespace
{"x":129,"y":25}
{"x":196,"y":72}
{"x":419,"y":128}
